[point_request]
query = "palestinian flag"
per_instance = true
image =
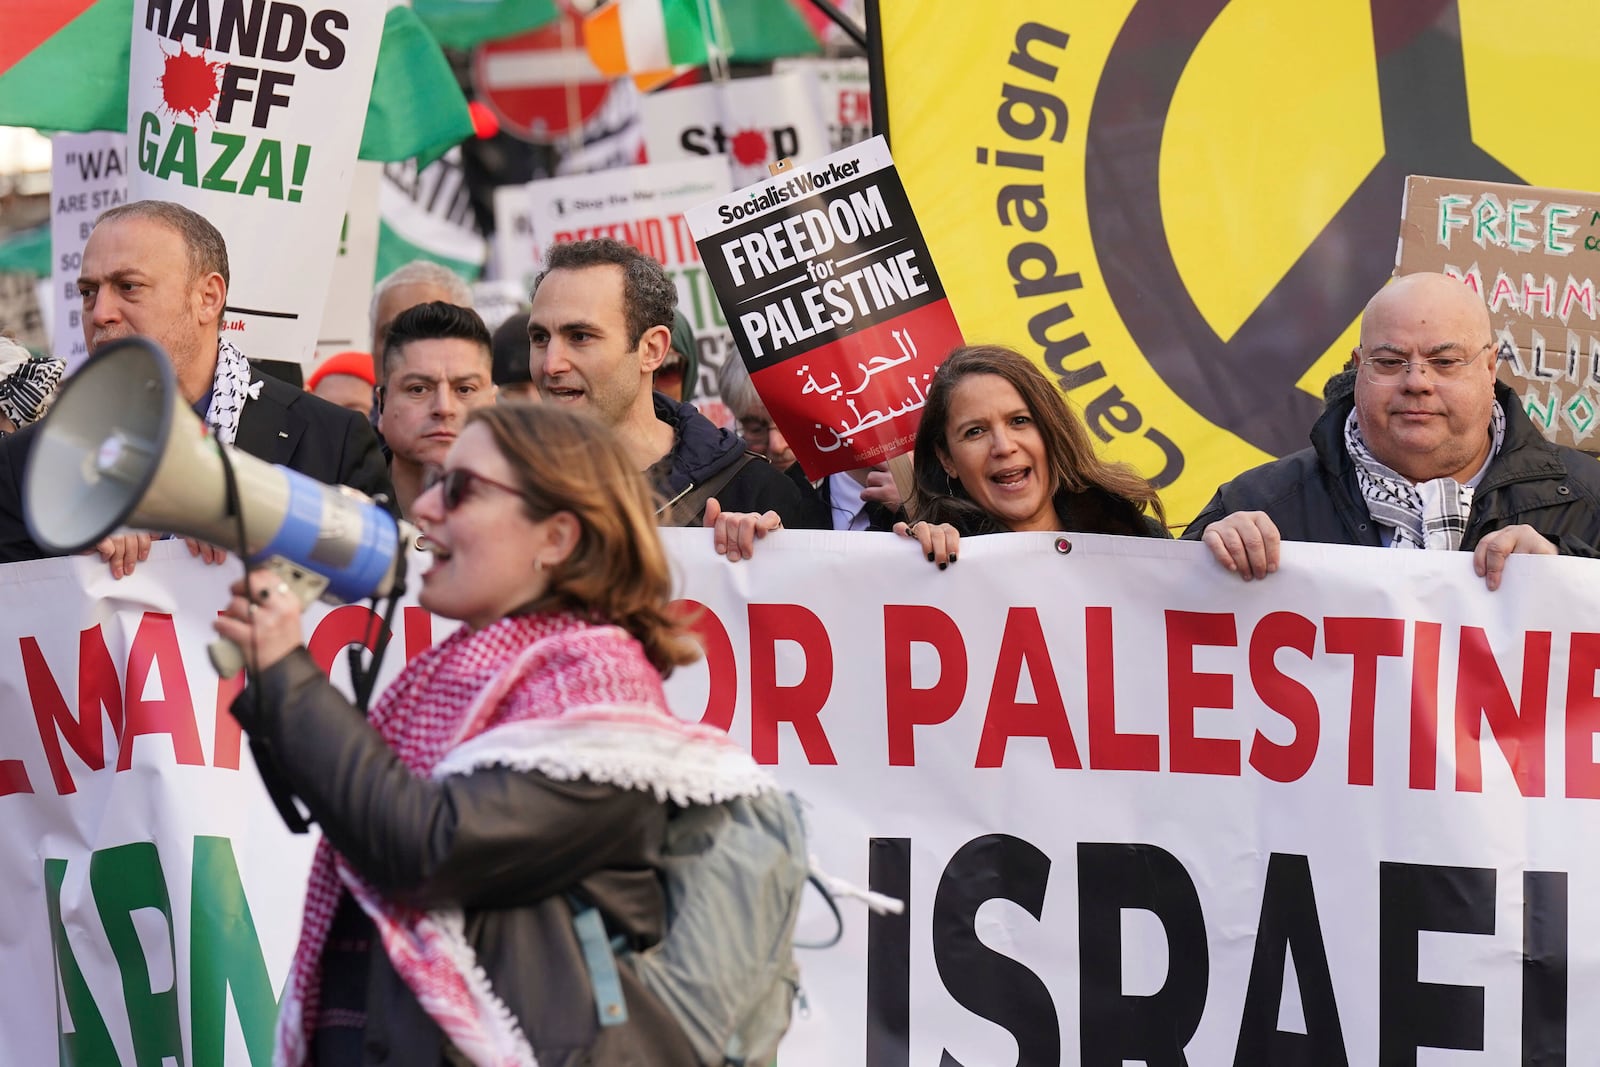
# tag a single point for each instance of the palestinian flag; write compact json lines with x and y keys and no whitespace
{"x":654,"y":40}
{"x":64,"y":66}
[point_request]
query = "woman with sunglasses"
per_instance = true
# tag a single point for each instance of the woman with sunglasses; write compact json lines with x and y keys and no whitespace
{"x":998,"y":449}
{"x":519,"y":765}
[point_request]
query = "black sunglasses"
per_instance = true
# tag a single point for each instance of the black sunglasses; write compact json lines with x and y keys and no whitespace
{"x":455,"y":484}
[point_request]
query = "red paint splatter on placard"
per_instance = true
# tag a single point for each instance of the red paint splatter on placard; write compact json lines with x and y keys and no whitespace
{"x":749,"y":147}
{"x":189,"y":83}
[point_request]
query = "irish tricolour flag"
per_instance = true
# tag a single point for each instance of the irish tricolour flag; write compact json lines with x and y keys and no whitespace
{"x":650,"y":39}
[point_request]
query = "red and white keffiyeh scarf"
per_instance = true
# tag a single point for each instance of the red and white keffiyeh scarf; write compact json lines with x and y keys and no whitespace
{"x":547,"y":693}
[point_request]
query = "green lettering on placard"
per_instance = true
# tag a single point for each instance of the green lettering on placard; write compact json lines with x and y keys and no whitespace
{"x":149,"y":141}
{"x":180,"y":156}
{"x":87,"y":1044}
{"x":216,"y":174}
{"x":127,"y":879}
{"x":266,"y":171}
{"x":224,"y":953}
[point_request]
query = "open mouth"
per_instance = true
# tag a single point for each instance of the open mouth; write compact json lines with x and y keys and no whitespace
{"x":1011,"y":477}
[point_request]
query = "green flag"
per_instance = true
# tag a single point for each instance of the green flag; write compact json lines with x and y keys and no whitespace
{"x":465,"y":23}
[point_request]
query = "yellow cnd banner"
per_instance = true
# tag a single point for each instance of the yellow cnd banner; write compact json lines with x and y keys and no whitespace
{"x":1178,"y":208}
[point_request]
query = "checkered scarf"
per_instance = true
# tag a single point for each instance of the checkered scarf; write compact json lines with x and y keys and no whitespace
{"x":563,"y":697}
{"x":27,"y":383}
{"x":229,"y":390}
{"x":1430,"y":514}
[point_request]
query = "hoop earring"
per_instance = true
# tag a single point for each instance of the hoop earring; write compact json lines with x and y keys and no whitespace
{"x":950,"y":482}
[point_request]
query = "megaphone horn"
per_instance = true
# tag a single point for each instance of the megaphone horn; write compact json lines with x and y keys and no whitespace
{"x":121,"y":448}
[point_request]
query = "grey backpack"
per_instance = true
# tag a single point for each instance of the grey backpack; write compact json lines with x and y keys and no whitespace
{"x":734,"y":875}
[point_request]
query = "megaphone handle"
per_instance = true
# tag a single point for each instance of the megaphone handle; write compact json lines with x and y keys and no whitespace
{"x":226,"y":657}
{"x":307,"y":585}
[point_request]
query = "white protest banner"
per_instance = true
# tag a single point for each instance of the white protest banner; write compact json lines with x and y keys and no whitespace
{"x":149,"y":881}
{"x":1141,"y":811}
{"x":826,"y":283}
{"x":88,"y":174}
{"x":845,"y":91}
{"x":752,"y":121}
{"x":1138,"y":810}
{"x":641,"y":206}
{"x":251,"y":115}
{"x":345,"y":320}
{"x":427,"y":214}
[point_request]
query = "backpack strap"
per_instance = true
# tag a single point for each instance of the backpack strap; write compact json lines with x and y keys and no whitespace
{"x":601,"y":960}
{"x":687,"y":507}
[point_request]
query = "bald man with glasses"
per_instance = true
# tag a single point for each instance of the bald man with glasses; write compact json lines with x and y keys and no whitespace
{"x":1430,"y":453}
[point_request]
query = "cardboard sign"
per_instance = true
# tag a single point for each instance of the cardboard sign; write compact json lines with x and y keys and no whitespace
{"x":834,"y":303}
{"x":252,"y":116}
{"x":1533,"y":255}
{"x":88,"y":175}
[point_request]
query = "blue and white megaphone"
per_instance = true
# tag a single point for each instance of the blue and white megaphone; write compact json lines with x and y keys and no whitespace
{"x":120,"y":448}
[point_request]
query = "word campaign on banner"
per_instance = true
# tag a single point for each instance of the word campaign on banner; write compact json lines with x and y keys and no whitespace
{"x":1533,"y":255}
{"x":1152,"y":199}
{"x":826,"y":283}
{"x":252,"y":115}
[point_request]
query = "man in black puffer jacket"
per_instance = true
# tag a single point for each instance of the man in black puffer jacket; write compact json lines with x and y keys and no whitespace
{"x":1430,"y":452}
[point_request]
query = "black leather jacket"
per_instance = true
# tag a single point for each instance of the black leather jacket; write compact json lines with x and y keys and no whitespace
{"x":1312,"y":495}
{"x":506,"y":846}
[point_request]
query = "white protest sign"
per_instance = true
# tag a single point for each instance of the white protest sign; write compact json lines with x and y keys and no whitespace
{"x":752,"y":121}
{"x":88,"y":174}
{"x":252,"y":115}
{"x":345,"y":322}
{"x":844,"y":88}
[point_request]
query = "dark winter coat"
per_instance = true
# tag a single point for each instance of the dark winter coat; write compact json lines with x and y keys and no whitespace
{"x":700,"y":449}
{"x":434,"y":843}
{"x":1312,"y":495}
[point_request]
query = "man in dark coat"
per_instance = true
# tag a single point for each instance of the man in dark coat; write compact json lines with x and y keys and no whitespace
{"x":158,"y":270}
{"x":601,"y":324}
{"x":1429,"y":452}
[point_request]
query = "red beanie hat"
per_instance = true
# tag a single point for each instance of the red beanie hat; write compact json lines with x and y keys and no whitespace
{"x":355,"y":364}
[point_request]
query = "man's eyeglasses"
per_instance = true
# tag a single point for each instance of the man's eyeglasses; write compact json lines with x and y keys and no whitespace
{"x":756,"y":431}
{"x":455,"y":485}
{"x":1382,"y":369}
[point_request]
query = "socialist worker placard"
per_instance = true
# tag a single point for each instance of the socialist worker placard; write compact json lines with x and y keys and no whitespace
{"x":834,"y":303}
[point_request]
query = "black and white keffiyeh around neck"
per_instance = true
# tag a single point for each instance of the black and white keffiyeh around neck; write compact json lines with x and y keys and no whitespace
{"x":229,"y":390}
{"x":28,"y":383}
{"x":1430,"y":514}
